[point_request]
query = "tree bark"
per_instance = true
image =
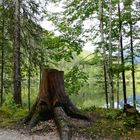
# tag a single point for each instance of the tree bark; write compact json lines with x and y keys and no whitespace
{"x":105,"y":81}
{"x":110,"y":72}
{"x":118,"y":78}
{"x":103,"y":48}
{"x":122,"y":55}
{"x":132,"y":59}
{"x":2,"y":54}
{"x":29,"y":80}
{"x":17,"y":71}
{"x":61,"y":121}
{"x":52,"y":102}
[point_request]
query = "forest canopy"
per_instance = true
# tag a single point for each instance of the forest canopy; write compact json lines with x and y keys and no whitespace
{"x":110,"y":72}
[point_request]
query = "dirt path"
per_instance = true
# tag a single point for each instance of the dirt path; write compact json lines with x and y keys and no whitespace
{"x":8,"y":134}
{"x":43,"y":131}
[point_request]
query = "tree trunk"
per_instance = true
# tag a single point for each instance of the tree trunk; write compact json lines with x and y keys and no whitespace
{"x":110,"y":72}
{"x":2,"y":54}
{"x":118,"y":79}
{"x":17,"y":73}
{"x":132,"y":60}
{"x":122,"y":55}
{"x":29,"y":80}
{"x":105,"y":81}
{"x":103,"y":48}
{"x":52,"y":102}
{"x":133,"y":67}
{"x":29,"y":72}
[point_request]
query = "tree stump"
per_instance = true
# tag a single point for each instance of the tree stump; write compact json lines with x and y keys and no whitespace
{"x":53,"y":103}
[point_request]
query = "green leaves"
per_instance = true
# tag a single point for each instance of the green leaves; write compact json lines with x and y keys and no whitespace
{"x":74,"y":80}
{"x":59,"y":47}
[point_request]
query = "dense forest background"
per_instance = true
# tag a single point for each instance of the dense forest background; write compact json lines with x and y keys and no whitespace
{"x":103,"y":77}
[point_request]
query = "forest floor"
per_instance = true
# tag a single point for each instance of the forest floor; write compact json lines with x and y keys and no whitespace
{"x":106,"y":124}
{"x":43,"y":131}
{"x":112,"y":124}
{"x":10,"y":134}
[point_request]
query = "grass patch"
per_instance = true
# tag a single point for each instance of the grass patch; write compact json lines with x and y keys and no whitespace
{"x":10,"y":115}
{"x":110,"y":124}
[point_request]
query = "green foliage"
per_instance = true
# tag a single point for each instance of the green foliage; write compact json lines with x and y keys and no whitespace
{"x":11,"y":113}
{"x":9,"y":103}
{"x":11,"y":108}
{"x":58,"y":48}
{"x":74,"y":80}
{"x":130,"y":121}
{"x":113,"y":114}
{"x":89,"y":109}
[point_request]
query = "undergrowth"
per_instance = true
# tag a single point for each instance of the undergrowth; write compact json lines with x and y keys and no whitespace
{"x":10,"y":113}
{"x":106,"y":123}
{"x":110,"y":124}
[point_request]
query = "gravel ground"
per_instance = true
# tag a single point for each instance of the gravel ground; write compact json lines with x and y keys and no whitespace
{"x":8,"y":134}
{"x":43,"y":131}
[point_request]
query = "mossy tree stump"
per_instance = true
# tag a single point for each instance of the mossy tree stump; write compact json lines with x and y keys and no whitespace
{"x":53,"y":103}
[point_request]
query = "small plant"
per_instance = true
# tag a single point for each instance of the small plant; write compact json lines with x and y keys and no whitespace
{"x":10,"y":113}
{"x":89,"y":109}
{"x":113,"y":114}
{"x":129,"y":121}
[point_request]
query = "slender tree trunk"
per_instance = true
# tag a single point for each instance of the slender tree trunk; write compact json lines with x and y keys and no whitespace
{"x":122,"y":55}
{"x":132,"y":63}
{"x":2,"y":54}
{"x":118,"y":91}
{"x":29,"y":73}
{"x":103,"y":47}
{"x":29,"y":80}
{"x":105,"y":80}
{"x":17,"y":69}
{"x":118,"y":79}
{"x":29,"y":88}
{"x":110,"y":79}
{"x":40,"y":74}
